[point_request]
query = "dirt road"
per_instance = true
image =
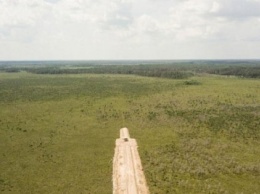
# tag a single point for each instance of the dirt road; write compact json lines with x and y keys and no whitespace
{"x":128,"y":176}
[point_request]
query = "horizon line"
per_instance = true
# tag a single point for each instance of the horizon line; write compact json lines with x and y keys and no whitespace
{"x":224,"y":59}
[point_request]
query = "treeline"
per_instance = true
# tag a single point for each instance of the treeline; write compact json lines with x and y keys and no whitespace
{"x":142,"y":70}
{"x":241,"y":71}
{"x":178,"y":70}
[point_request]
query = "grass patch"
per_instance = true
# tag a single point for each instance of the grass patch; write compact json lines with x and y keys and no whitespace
{"x":192,"y":82}
{"x":57,"y":132}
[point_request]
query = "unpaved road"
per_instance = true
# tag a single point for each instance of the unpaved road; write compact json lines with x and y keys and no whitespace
{"x":128,"y":176}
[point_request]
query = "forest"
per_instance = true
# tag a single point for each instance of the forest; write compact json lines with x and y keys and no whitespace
{"x":167,"y":69}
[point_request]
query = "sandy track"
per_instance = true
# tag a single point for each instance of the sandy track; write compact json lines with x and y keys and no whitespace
{"x":128,"y":176}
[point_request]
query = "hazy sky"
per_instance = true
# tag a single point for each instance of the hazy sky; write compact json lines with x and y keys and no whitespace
{"x":129,"y":29}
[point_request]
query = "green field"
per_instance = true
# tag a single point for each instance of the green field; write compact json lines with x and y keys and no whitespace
{"x":196,"y":135}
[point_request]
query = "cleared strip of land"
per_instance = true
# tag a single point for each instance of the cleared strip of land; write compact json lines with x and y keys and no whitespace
{"x":128,"y":176}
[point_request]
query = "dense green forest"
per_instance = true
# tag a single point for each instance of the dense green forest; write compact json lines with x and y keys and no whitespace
{"x":175,"y":70}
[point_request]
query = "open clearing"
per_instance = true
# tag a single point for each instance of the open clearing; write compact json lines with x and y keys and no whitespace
{"x":57,"y":132}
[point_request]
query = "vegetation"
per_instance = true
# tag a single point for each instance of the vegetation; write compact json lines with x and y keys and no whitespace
{"x":164,"y":69}
{"x":197,"y":134}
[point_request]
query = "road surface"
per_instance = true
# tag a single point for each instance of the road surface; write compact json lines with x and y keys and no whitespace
{"x":128,"y":176}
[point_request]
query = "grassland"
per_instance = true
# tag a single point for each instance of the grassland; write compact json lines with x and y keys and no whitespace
{"x":195,"y":135}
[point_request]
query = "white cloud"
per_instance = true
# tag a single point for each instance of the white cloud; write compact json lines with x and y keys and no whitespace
{"x":88,"y":29}
{"x":22,"y":12}
{"x":238,"y":9}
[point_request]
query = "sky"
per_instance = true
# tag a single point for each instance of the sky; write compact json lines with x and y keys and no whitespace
{"x":129,"y":29}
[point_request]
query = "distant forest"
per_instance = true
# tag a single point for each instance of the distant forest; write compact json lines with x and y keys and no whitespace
{"x":174,"y":70}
